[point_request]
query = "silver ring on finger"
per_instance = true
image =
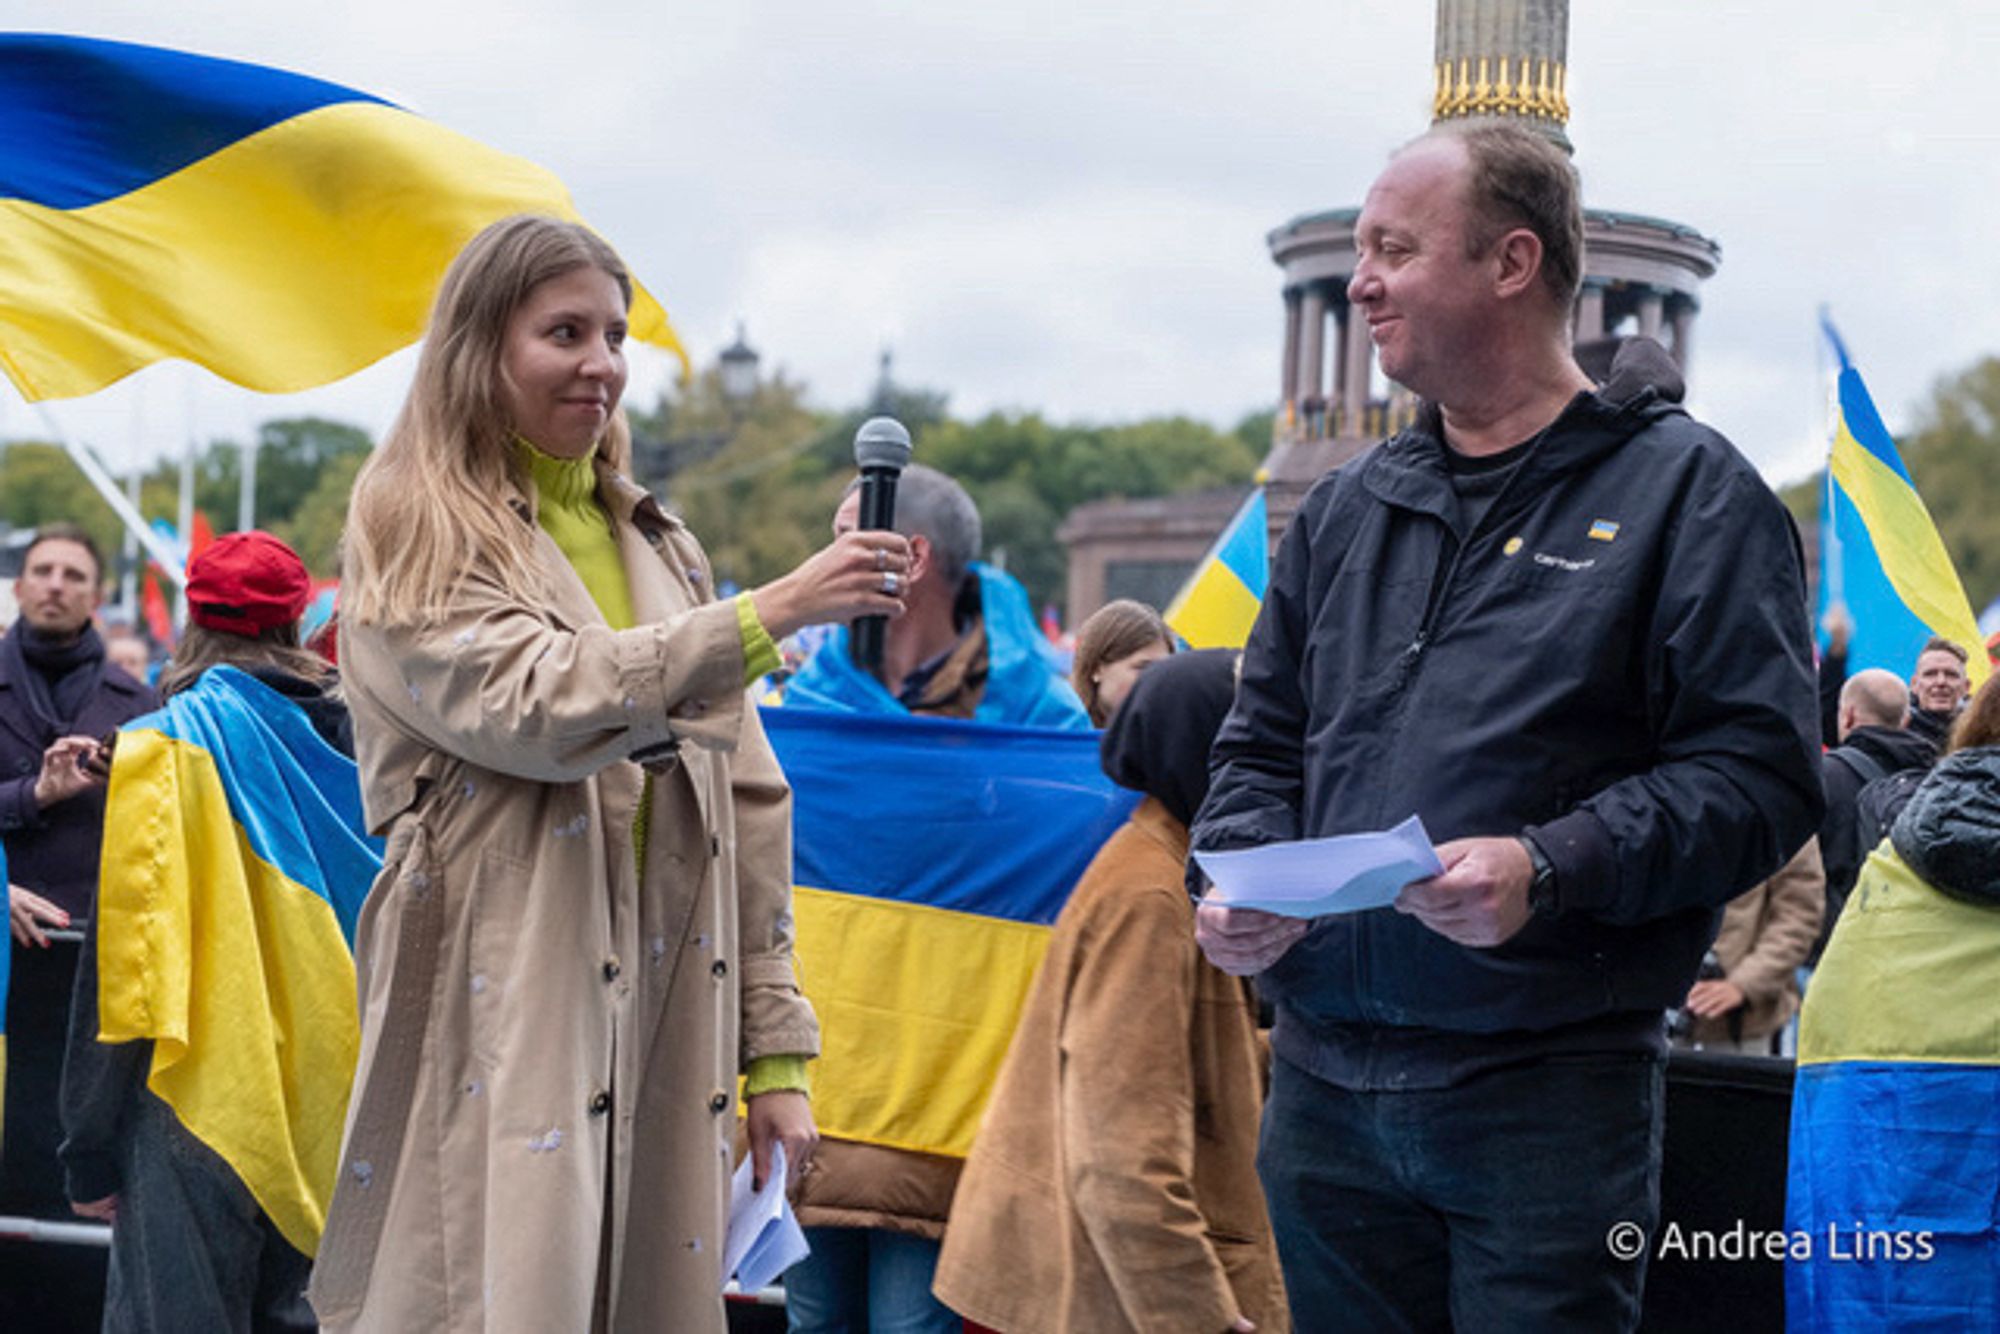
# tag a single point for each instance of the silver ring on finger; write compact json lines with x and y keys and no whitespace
{"x":882,"y":558}
{"x":891,"y":585}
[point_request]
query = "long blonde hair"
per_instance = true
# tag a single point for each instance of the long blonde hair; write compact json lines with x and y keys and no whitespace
{"x":426,"y":506}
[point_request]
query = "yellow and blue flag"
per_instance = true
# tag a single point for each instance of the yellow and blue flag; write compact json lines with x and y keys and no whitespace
{"x":279,"y":230}
{"x":1894,"y":1175}
{"x":930,"y":858}
{"x":1218,"y":604}
{"x":1880,"y":553}
{"x":235,"y":864}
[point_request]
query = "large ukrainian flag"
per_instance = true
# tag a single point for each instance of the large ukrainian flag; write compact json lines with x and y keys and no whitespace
{"x":930,"y":858}
{"x":277,"y":229}
{"x":1895,"y":1142}
{"x":234,"y":868}
{"x":1880,"y":552}
{"x":1219,"y":603}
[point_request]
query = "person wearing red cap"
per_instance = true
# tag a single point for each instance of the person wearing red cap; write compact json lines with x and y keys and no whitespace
{"x":247,"y":594}
{"x":191,"y":1246}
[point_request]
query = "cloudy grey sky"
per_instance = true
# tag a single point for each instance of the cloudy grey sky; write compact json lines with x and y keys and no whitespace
{"x":1063,"y":207}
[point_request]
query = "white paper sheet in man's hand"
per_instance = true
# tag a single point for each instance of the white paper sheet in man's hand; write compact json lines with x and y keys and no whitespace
{"x":1318,"y":876}
{"x":764,"y":1237}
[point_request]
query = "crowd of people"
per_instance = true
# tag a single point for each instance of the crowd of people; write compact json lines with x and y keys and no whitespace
{"x":1557,"y":617}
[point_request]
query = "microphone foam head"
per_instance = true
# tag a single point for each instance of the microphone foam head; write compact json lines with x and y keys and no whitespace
{"x":882,"y":442}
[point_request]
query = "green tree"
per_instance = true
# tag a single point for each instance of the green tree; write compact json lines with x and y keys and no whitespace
{"x":40,"y":484}
{"x":316,"y":524}
{"x":294,"y":456}
{"x":1954,"y":457}
{"x":1004,"y":459}
{"x":748,"y":480}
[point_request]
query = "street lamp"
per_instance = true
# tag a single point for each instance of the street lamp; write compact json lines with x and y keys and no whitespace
{"x":739,"y":371}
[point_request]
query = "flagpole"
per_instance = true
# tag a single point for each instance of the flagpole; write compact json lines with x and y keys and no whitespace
{"x":128,"y":513}
{"x":1832,"y":569}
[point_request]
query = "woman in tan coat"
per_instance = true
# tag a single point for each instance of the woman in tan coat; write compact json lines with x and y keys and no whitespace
{"x":582,"y":932}
{"x":1113,"y":1185}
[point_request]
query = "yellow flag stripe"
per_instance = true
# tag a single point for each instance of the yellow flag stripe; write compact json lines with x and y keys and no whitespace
{"x":1865,"y":1004}
{"x":916,"y":1007}
{"x":290,"y":258}
{"x":237,"y":973}
{"x":1217,"y":610}
{"x":1908,"y":547}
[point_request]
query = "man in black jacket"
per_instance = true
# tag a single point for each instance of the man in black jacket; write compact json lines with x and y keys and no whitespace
{"x":1875,"y":742}
{"x":1939,"y":687}
{"x":57,"y":696}
{"x":1566,"y":625}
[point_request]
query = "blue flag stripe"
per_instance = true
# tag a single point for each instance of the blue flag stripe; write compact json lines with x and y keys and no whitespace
{"x":83,"y":121}
{"x":296,"y":798}
{"x":1864,"y":423}
{"x":969,"y":817}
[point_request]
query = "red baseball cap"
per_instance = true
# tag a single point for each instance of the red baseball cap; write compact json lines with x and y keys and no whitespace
{"x":245,"y":583}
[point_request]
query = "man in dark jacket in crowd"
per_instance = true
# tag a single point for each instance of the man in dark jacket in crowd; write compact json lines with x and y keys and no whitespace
{"x":57,"y":696}
{"x":1566,"y":625}
{"x":1875,"y":742}
{"x":1939,"y":688}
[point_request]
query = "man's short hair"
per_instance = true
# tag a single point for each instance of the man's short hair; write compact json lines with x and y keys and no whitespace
{"x":1519,"y":178}
{"x":931,"y":503}
{"x":72,"y":532}
{"x":1878,"y":697}
{"x":1939,"y":644}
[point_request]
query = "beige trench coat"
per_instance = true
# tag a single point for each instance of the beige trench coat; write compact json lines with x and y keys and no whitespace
{"x":539,"y":1137}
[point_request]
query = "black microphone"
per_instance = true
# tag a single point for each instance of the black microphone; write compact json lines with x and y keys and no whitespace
{"x":881,"y":450}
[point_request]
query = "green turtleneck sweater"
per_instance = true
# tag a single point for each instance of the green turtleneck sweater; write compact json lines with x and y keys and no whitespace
{"x":569,"y":511}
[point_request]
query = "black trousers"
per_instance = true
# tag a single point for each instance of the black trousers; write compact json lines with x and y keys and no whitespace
{"x":191,"y":1251}
{"x":1522,"y":1199}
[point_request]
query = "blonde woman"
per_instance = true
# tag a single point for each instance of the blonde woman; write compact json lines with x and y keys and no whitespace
{"x":582,"y":934}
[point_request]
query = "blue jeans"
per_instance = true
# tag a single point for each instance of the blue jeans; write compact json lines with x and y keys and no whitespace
{"x":1485,"y":1206}
{"x":866,"y":1281}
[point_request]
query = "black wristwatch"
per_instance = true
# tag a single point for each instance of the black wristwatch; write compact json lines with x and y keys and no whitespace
{"x":1542,"y":898}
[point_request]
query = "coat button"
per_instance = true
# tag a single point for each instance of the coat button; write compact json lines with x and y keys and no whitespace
{"x":600,"y":1103}
{"x":720,"y":968}
{"x":612,"y":969}
{"x":719,"y":1103}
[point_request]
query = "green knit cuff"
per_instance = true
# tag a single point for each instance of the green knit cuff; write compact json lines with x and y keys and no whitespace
{"x":777,"y":1074}
{"x":760,"y":651}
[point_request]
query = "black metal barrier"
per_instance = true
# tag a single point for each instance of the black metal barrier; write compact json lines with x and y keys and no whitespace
{"x":1728,"y":1127}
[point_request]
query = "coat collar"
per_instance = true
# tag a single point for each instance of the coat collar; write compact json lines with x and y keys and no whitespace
{"x":1409,"y":469}
{"x":1156,"y":822}
{"x":13,"y":719}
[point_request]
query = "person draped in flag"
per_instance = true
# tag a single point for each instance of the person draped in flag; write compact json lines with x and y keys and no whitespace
{"x":968,"y":650}
{"x":583,"y":931}
{"x":1893,"y":1162}
{"x":192,"y":1247}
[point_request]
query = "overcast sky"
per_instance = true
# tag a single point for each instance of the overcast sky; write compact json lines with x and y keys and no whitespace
{"x":1063,"y":207}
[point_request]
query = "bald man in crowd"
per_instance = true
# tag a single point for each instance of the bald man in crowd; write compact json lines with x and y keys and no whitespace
{"x":1875,"y":742}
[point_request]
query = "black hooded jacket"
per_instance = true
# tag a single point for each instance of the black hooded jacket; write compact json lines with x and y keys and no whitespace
{"x":1950,"y":832}
{"x":1617,"y":658}
{"x":1889,"y":749}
